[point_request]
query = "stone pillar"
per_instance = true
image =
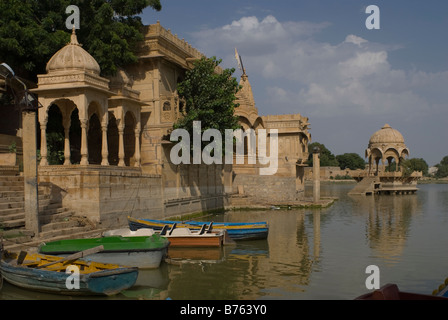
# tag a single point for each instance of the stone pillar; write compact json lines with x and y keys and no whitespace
{"x":137,"y":155}
{"x":43,"y":144}
{"x":104,"y":146}
{"x":121,"y":162}
{"x":84,"y":147}
{"x":67,"y":152}
{"x":29,"y":127}
{"x":316,"y":175}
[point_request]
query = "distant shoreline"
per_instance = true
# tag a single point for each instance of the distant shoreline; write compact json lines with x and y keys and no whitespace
{"x":424,"y":180}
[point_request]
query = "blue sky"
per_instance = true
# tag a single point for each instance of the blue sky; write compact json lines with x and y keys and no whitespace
{"x":317,"y":58}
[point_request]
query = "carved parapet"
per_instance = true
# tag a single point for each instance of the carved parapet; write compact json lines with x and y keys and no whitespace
{"x":54,"y":81}
{"x":160,"y":42}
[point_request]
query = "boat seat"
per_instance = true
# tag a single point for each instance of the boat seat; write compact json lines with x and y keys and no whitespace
{"x":164,"y":230}
{"x":210,"y":227}
{"x":203,"y":229}
{"x":172,"y":229}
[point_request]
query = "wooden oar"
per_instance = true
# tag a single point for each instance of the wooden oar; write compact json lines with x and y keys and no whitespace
{"x":75,"y":256}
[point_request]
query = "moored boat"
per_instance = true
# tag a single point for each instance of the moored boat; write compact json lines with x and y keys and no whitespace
{"x":145,"y":252}
{"x":391,"y":292}
{"x":47,"y":273}
{"x":235,"y":230}
{"x":179,"y":237}
{"x":442,"y":290}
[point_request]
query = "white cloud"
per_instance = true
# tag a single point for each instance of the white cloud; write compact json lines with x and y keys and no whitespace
{"x":351,"y":38}
{"x":292,"y":72}
{"x":319,"y":78}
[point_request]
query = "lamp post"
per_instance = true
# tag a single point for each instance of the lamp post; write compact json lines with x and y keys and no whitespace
{"x":28,"y":106}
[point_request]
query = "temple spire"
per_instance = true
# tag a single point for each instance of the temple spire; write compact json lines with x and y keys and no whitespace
{"x":74,"y":38}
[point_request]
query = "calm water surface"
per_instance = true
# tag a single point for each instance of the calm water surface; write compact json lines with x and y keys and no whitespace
{"x":311,"y":254}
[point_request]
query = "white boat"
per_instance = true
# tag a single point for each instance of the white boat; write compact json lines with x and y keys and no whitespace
{"x":178,"y":237}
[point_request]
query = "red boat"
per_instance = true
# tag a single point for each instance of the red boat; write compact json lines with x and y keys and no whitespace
{"x":391,"y":292}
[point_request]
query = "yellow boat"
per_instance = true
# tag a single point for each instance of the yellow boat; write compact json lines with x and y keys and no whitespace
{"x":54,"y":274}
{"x":235,"y":230}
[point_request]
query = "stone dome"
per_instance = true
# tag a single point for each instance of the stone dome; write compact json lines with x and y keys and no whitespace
{"x":386,"y":135}
{"x":73,"y":57}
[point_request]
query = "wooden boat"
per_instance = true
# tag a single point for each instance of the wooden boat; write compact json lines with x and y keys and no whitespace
{"x":179,"y":237}
{"x":235,"y":230}
{"x":47,"y":273}
{"x":391,"y":292}
{"x":145,"y":252}
{"x":442,"y":290}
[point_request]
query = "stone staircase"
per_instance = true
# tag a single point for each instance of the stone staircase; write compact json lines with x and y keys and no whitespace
{"x":55,"y":221}
{"x":365,"y":186}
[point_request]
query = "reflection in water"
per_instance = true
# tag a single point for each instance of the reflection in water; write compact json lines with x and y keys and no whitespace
{"x":388,"y":223}
{"x":310,"y":254}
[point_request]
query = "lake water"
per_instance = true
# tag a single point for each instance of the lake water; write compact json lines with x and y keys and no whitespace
{"x":317,"y":254}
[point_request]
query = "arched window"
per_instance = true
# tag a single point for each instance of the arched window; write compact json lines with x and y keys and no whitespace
{"x":166,"y":106}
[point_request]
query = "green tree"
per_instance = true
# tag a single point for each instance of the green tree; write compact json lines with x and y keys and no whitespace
{"x":209,"y":97}
{"x":415,"y":164}
{"x":327,"y":158}
{"x":442,"y":168}
{"x":31,"y":31}
{"x":351,"y":161}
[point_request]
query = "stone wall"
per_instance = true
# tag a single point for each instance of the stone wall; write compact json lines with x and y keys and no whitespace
{"x":191,"y":188}
{"x":266,"y":190}
{"x":105,"y":195}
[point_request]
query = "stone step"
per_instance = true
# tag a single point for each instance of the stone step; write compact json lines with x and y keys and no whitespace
{"x":10,"y":205}
{"x":20,"y":198}
{"x":17,"y":219}
{"x":61,"y":216}
{"x":53,"y":211}
{"x":55,"y":226}
{"x":11,"y":183}
{"x":18,"y":235}
{"x":5,"y":178}
{"x":11,"y":194}
{"x":11,"y":199}
{"x":66,"y":233}
{"x":7,"y":212}
{"x":11,"y":188}
{"x":12,"y":221}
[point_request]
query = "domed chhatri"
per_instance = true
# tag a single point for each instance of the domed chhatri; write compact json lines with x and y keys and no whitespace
{"x":73,"y":57}
{"x":386,"y":146}
{"x":387,"y":135}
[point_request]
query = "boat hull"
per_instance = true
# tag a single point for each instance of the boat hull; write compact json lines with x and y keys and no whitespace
{"x":196,"y":241}
{"x":105,"y":282}
{"x":236,"y":231}
{"x":129,"y":251}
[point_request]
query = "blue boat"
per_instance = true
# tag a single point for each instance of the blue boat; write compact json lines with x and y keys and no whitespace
{"x":46,"y":273}
{"x":235,"y":230}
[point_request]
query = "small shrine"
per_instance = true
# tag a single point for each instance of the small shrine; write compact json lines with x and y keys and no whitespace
{"x":385,"y":175}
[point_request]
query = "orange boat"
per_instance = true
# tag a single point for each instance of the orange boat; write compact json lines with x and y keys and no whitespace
{"x":391,"y":292}
{"x":184,"y":237}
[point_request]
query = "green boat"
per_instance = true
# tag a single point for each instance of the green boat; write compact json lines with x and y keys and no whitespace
{"x":144,"y":252}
